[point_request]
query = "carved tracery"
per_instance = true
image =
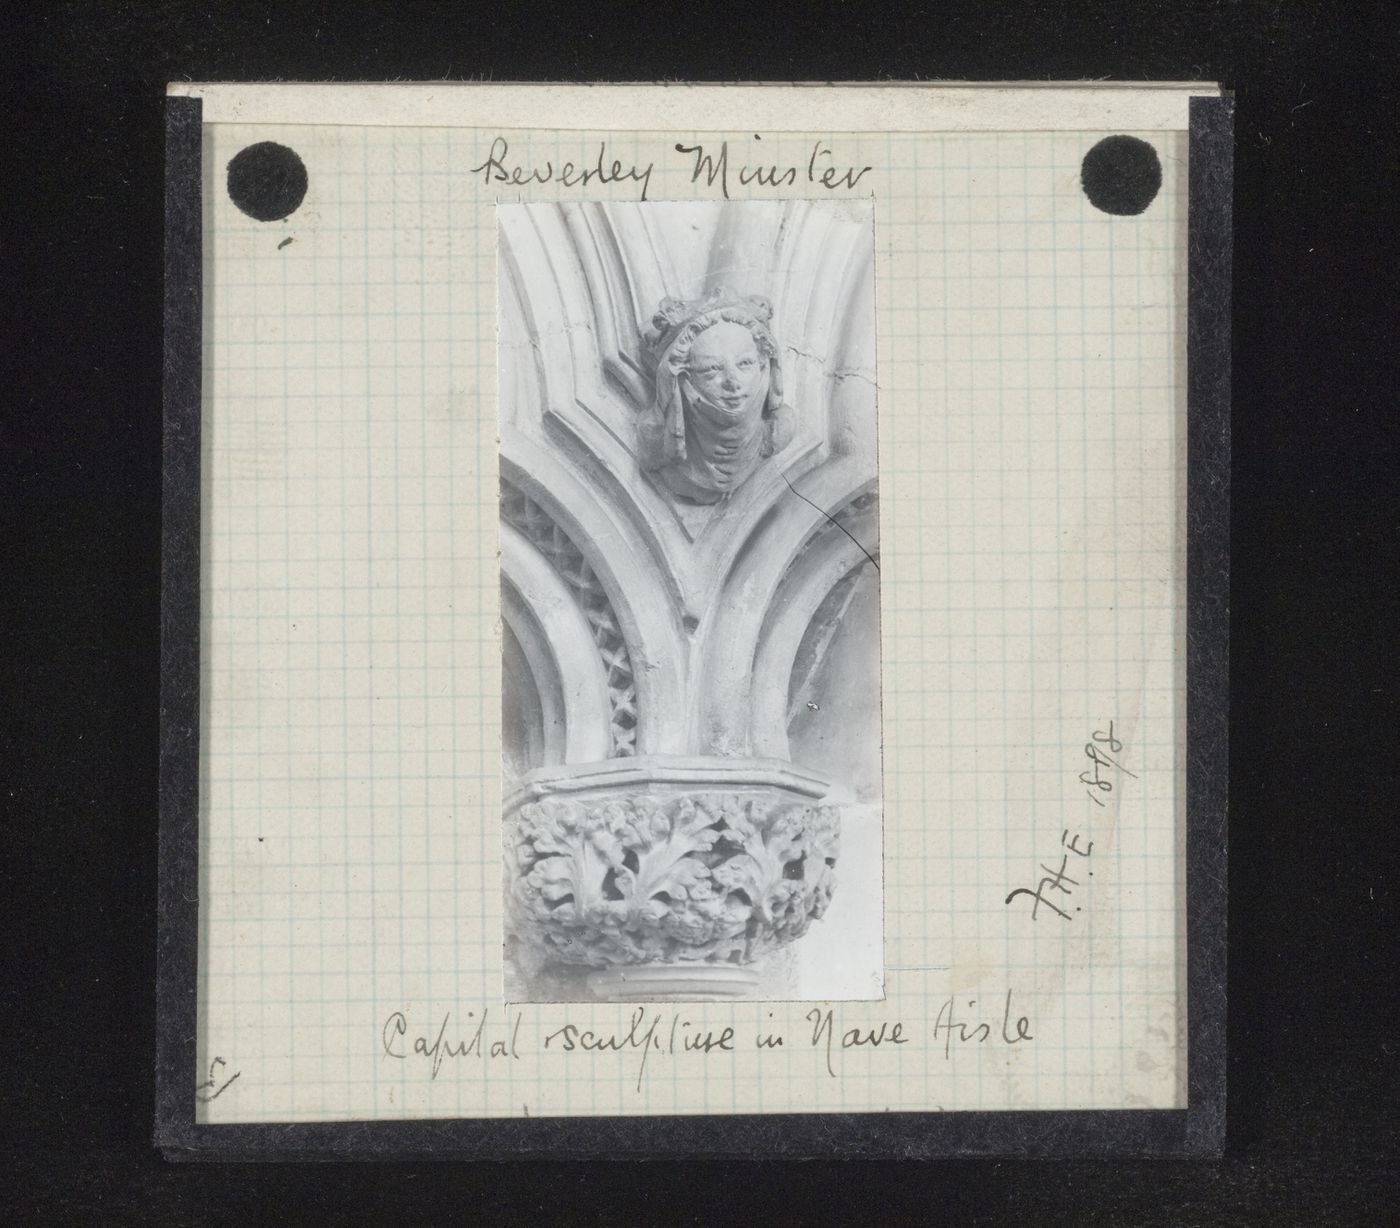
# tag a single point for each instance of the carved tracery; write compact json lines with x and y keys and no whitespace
{"x":524,"y":514}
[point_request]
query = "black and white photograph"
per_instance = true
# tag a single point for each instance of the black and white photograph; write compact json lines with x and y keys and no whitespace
{"x":690,"y":601}
{"x":652,"y":618}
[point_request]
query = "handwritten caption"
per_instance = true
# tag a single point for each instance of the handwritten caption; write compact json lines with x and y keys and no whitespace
{"x":1098,"y":779}
{"x":1056,"y":887}
{"x":217,"y":1083}
{"x":710,"y":164}
{"x":655,"y":1034}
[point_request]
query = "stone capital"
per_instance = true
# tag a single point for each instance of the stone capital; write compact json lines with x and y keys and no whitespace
{"x":662,"y":874}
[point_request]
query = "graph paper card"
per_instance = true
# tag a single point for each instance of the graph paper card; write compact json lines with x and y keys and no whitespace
{"x":694,"y":619}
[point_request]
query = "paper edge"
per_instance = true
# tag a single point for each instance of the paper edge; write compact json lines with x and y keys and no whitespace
{"x":708,"y":107}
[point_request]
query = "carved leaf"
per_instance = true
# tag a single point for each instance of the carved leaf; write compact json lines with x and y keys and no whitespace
{"x":761,"y":870}
{"x":664,"y":847}
{"x":570,"y":858}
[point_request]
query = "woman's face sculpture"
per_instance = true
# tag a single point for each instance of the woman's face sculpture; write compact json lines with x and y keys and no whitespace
{"x":725,"y":367}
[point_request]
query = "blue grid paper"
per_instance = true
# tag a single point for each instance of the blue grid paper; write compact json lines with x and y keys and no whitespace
{"x":1032,"y":436}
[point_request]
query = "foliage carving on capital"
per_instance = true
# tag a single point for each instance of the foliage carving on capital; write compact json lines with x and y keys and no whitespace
{"x":643,"y":878}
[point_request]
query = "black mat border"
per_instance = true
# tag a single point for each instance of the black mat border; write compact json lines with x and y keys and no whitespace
{"x":1195,"y":1131}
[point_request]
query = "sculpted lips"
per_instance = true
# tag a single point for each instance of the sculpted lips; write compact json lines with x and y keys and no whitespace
{"x":726,"y":368}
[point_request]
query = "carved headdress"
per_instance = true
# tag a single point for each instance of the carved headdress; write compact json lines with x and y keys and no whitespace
{"x":666,"y":347}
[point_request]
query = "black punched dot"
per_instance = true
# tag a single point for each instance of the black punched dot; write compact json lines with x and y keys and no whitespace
{"x":267,"y":181}
{"x":1121,"y":175}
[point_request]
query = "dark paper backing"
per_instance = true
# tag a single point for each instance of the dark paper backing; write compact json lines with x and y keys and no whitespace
{"x":1197,"y":1130}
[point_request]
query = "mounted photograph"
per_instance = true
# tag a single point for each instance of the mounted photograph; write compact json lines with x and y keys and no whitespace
{"x":690,"y":601}
{"x":665,"y":628}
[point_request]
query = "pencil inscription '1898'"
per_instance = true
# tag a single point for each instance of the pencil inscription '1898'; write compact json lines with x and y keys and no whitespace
{"x":1055,"y":889}
{"x":1097,"y":779}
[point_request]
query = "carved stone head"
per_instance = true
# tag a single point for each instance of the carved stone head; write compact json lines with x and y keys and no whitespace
{"x":717,"y":409}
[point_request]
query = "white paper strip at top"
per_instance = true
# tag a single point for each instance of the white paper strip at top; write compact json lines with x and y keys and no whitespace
{"x":893,"y":107}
